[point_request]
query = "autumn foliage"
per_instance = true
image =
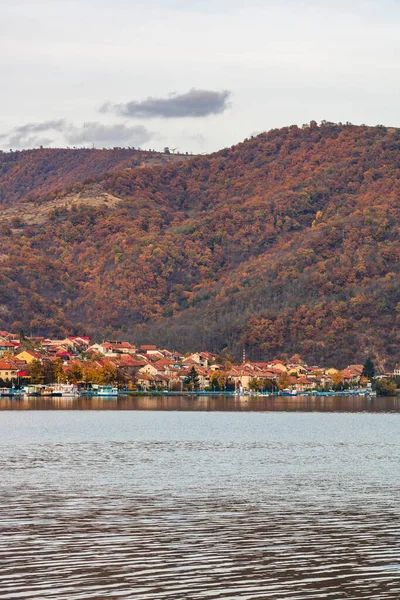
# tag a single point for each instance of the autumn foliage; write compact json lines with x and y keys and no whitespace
{"x":288,"y":242}
{"x":30,"y":174}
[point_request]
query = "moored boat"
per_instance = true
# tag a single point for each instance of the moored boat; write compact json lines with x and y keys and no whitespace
{"x":34,"y":390}
{"x":106,"y":390}
{"x":11,"y":392}
{"x":64,"y":390}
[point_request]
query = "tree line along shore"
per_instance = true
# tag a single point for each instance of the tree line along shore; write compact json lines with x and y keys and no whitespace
{"x":75,"y":360}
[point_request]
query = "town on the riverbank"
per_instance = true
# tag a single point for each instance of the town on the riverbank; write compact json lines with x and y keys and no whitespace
{"x":41,"y":365}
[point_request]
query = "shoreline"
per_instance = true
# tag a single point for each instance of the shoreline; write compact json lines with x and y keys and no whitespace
{"x":196,"y":394}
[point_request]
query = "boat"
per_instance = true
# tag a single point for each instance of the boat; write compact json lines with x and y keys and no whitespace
{"x":64,"y":390}
{"x":11,"y":392}
{"x":106,"y":390}
{"x":86,"y":392}
{"x":34,"y":390}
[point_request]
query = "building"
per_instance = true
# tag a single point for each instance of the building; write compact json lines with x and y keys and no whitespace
{"x":8,"y":370}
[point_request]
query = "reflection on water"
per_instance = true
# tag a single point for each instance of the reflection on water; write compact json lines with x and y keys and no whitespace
{"x":209,"y":403}
{"x":180,"y":505}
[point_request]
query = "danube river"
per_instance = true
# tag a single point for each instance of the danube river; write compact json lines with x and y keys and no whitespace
{"x":200,"y":498}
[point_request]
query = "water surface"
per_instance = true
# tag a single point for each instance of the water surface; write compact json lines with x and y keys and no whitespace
{"x":212,"y":403}
{"x":205,"y":501}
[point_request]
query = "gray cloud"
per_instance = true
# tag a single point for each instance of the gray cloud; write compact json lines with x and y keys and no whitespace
{"x":195,"y":103}
{"x":26,"y":136}
{"x":57,"y":125}
{"x":19,"y":141}
{"x":95,"y":132}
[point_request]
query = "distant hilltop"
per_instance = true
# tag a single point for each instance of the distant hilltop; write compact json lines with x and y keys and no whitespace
{"x":287,"y":242}
{"x":27,"y":174}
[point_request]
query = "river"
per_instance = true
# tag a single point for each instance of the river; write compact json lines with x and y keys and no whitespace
{"x":200,"y":498}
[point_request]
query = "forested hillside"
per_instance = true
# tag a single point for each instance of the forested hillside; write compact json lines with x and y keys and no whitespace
{"x":288,"y":242}
{"x":27,"y":174}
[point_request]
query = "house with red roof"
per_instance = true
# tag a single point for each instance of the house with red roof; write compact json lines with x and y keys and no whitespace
{"x":119,"y":348}
{"x":350,"y":377}
{"x":145,"y":348}
{"x":145,"y":381}
{"x":113,"y":348}
{"x":150,"y":369}
{"x":8,"y":370}
{"x":166,"y":365}
{"x":7,"y":346}
{"x":78,"y":343}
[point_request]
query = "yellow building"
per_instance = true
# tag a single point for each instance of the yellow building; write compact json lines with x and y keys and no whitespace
{"x":28,"y":356}
{"x":331,"y":371}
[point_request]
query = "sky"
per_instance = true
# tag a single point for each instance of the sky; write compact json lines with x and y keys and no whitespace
{"x":196,"y":75}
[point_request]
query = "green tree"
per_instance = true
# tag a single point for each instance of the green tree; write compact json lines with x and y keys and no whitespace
{"x":192,"y":380}
{"x":107,"y":374}
{"x":74,"y":372}
{"x":385,"y":387}
{"x":256,"y":384}
{"x":215,"y":383}
{"x":89,"y":373}
{"x":268,"y":385}
{"x":283,"y":381}
{"x":53,"y":371}
{"x":36,"y":372}
{"x":25,"y":344}
{"x":59,"y":374}
{"x":368,"y":369}
{"x":337,"y":381}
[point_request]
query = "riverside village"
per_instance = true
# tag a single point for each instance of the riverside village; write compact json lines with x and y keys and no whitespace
{"x":74,"y":366}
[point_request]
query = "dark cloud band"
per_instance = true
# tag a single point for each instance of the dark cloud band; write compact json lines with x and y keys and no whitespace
{"x":195,"y":103}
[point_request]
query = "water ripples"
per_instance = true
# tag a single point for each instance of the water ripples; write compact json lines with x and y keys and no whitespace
{"x":220,"y":517}
{"x":70,"y":548}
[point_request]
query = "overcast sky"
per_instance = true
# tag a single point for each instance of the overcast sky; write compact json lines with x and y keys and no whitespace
{"x":198,"y":75}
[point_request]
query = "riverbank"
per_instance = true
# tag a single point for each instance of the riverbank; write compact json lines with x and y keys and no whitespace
{"x":15,"y":393}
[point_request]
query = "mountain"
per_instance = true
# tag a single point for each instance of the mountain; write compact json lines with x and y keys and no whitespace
{"x":28,"y":174}
{"x":285,"y":243}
